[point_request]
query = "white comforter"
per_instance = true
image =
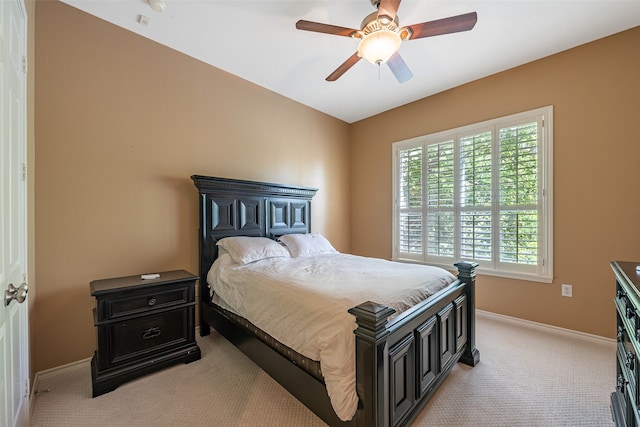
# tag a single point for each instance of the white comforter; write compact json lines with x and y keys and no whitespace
{"x":303,"y":303}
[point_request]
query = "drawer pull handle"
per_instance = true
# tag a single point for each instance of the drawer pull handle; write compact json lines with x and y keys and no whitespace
{"x":151,"y":333}
{"x":621,"y":383}
{"x":629,"y":363}
{"x":151,"y":302}
{"x":630,"y":313}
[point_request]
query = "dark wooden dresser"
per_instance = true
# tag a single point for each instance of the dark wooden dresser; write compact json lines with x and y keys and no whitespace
{"x":625,"y":399}
{"x":142,"y":326}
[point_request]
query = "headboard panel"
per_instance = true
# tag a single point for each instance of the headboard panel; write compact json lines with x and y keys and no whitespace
{"x":230,"y":207}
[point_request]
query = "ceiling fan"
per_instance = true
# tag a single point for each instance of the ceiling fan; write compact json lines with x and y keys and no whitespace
{"x":381,"y":35}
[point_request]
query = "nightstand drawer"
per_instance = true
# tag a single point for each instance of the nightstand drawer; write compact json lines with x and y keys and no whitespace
{"x":138,"y":337}
{"x":150,"y":299}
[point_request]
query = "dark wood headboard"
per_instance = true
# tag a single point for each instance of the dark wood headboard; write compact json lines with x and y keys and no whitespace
{"x":231,"y":207}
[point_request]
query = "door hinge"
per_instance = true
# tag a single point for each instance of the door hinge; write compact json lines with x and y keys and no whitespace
{"x":24,"y":171}
{"x":26,"y":388}
{"x":24,"y":64}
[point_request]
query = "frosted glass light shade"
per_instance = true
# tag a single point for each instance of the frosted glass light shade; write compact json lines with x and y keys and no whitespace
{"x":379,"y":46}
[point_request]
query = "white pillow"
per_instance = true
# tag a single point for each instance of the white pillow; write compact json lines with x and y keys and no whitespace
{"x":245,"y":249}
{"x":301,"y":245}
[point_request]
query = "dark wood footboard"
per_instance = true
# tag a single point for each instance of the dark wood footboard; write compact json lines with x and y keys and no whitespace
{"x":400,"y":364}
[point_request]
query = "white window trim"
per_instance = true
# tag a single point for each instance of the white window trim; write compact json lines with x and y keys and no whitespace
{"x":545,"y":272}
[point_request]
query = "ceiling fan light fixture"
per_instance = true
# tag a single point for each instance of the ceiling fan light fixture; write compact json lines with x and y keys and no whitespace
{"x":379,"y":46}
{"x":380,"y":36}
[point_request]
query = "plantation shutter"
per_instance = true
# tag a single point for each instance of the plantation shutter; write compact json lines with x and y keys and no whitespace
{"x":519,"y":194}
{"x":410,"y":202}
{"x":475,"y":197}
{"x":440,"y":199}
{"x":479,"y":193}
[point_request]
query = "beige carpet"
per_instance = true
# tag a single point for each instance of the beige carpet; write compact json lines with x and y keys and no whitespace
{"x":526,"y":377}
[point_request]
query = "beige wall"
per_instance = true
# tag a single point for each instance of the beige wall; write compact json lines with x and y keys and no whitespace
{"x":595,"y":91}
{"x":121,"y":125}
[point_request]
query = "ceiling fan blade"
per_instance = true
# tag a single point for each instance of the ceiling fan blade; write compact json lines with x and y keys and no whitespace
{"x":399,"y":68}
{"x":324,"y":28}
{"x":453,"y":24}
{"x":388,"y":8}
{"x":343,"y":68}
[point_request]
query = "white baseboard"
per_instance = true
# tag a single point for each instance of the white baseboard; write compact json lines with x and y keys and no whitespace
{"x":56,"y":371}
{"x":548,"y":328}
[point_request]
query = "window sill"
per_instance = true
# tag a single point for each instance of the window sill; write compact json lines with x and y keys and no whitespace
{"x":487,"y":271}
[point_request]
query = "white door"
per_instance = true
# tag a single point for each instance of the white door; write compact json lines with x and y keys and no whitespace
{"x":14,"y":340}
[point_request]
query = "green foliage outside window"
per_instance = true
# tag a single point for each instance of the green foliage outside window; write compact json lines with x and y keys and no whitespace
{"x":461,"y":198}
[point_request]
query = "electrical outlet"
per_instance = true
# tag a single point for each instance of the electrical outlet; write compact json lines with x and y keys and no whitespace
{"x":567,"y":290}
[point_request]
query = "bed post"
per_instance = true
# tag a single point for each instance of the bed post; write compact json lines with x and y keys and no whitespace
{"x":467,"y":274}
{"x":203,"y":290}
{"x":371,"y":360}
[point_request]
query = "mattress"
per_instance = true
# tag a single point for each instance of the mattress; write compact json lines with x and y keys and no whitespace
{"x":310,"y":366}
{"x":303,"y":302}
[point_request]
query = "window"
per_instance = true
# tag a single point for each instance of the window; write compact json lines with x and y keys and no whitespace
{"x":478,"y":193}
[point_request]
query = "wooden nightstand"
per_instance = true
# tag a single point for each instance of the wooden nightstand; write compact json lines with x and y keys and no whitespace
{"x":143,"y":326}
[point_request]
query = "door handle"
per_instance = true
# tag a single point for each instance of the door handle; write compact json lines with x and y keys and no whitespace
{"x":18,"y":294}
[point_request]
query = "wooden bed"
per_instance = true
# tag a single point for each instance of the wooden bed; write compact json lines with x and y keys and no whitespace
{"x":399,"y":363}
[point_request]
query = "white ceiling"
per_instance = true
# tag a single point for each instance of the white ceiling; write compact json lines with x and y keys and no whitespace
{"x":257,"y":41}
